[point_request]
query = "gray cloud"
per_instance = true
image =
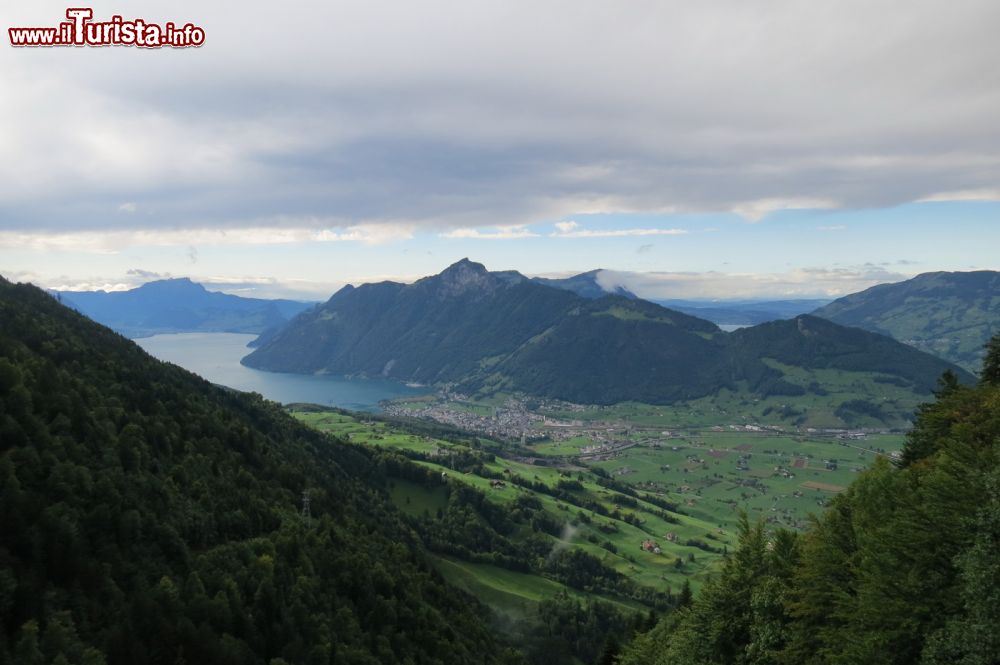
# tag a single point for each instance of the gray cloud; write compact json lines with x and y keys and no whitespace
{"x":499,"y":113}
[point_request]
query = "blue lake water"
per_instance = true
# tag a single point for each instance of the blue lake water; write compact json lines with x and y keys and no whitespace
{"x":216,"y":357}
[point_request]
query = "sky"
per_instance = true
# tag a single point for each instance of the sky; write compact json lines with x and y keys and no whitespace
{"x":720,"y":149}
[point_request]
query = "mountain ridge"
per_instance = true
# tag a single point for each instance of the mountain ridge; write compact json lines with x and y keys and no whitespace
{"x":485,"y":333}
{"x":949,"y":314}
{"x":180,"y":305}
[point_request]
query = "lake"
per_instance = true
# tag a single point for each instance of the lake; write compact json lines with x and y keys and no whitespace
{"x":216,"y":357}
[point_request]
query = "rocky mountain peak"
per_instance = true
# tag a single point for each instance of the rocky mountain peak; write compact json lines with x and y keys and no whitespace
{"x":465,"y":275}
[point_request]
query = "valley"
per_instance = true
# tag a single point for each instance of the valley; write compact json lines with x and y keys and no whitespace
{"x":539,"y":513}
{"x":659,"y":507}
{"x":500,"y":333}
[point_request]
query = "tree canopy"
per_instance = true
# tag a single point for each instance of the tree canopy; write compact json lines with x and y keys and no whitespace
{"x":903,"y":567}
{"x":148,"y":516}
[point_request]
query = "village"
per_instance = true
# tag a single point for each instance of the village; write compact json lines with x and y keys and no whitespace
{"x":531,"y":419}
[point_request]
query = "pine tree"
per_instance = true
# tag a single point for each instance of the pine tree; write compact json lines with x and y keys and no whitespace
{"x":685,"y":597}
{"x":27,"y":651}
{"x":991,"y":363}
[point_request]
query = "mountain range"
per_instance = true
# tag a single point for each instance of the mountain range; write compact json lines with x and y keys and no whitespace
{"x":735,"y":313}
{"x":150,"y":517}
{"x":949,"y":314}
{"x":485,"y":333}
{"x":180,"y":305}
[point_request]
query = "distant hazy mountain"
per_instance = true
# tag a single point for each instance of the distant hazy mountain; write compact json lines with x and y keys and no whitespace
{"x":585,"y":284}
{"x":496,"y":332}
{"x":744,"y":312}
{"x":180,"y":305}
{"x":721,"y":312}
{"x":949,"y":314}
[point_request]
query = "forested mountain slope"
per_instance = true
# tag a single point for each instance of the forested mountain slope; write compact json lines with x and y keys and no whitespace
{"x":490,"y":333}
{"x":949,"y":314}
{"x":150,"y":517}
{"x":901,"y":568}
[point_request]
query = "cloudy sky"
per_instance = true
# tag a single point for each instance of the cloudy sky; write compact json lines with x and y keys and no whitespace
{"x":712,"y":149}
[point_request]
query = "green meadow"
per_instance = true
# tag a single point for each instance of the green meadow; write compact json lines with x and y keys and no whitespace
{"x":707,"y":475}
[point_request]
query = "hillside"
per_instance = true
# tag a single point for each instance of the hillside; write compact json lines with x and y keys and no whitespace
{"x":180,"y":305}
{"x":496,"y":333}
{"x":949,"y":314}
{"x":149,"y":517}
{"x":814,"y":343}
{"x":435,"y":330}
{"x":903,"y":567}
{"x":528,"y":538}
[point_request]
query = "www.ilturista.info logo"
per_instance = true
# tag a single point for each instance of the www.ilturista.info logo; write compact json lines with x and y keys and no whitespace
{"x":81,"y":30}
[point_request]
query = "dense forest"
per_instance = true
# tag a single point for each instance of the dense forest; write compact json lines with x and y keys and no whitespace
{"x":150,"y":517}
{"x":523,"y":537}
{"x":903,"y":567}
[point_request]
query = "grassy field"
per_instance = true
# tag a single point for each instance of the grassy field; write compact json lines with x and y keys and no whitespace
{"x":780,"y":478}
{"x":512,"y":593}
{"x":710,"y":474}
{"x":416,"y":500}
{"x":659,"y":570}
{"x":813,"y":409}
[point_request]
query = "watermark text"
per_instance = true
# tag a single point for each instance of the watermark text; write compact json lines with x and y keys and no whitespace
{"x":81,"y":30}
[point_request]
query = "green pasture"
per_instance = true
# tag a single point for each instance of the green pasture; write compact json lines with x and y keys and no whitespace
{"x":711,"y":475}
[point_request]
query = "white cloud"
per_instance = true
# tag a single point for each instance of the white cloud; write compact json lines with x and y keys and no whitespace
{"x":794,"y":283}
{"x":983,"y":194}
{"x":146,"y":274}
{"x":91,"y":286}
{"x":127,"y":207}
{"x":754,"y":211}
{"x":369,"y":234}
{"x":251,"y":286}
{"x":573,"y":230}
{"x":107,"y":242}
{"x":834,"y":227}
{"x":498,"y":233}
